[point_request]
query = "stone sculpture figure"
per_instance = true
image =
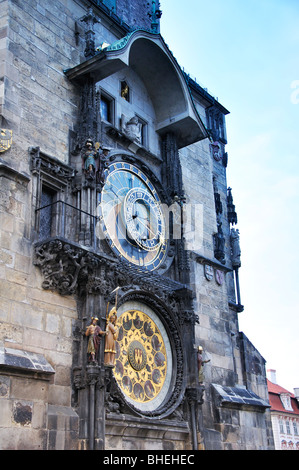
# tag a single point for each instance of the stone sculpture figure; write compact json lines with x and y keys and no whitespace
{"x":90,"y":159}
{"x":103,"y":165}
{"x":216,"y":151}
{"x":235,"y":246}
{"x":219,"y":244}
{"x":110,"y":339}
{"x":94,"y":332}
{"x":200,"y":364}
{"x":132,"y":128}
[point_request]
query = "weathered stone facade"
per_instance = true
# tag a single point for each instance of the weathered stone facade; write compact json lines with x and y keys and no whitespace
{"x":69,"y":74}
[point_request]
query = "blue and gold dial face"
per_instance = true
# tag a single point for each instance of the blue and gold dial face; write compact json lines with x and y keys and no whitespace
{"x":131,"y":216}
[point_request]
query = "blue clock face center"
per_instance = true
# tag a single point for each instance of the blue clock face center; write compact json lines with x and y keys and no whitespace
{"x":131,"y":216}
{"x":144,"y":219}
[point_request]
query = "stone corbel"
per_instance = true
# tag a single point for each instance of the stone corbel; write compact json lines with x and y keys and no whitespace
{"x":64,"y":266}
{"x":12,"y":174}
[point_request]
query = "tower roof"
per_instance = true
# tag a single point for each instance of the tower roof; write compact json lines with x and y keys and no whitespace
{"x":149,"y":56}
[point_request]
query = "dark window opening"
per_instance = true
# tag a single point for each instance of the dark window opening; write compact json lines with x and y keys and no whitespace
{"x":48,"y":197}
{"x":106,"y":107}
{"x":105,"y":114}
{"x":143,"y":129}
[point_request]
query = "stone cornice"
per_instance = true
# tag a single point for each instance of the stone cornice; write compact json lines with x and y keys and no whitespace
{"x":11,"y":173}
{"x":41,"y":162}
{"x":204,"y":260}
{"x":16,"y":362}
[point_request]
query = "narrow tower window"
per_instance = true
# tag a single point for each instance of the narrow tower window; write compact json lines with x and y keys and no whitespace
{"x":46,"y":212}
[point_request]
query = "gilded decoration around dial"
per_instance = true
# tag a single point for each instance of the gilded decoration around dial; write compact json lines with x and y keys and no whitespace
{"x":141,"y":357}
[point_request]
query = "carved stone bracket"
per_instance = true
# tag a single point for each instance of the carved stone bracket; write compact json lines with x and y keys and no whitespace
{"x":194,"y":397}
{"x":94,"y":377}
{"x":195,"y":394}
{"x":231,"y":211}
{"x":78,"y":380}
{"x":70,"y":269}
{"x":64,"y":266}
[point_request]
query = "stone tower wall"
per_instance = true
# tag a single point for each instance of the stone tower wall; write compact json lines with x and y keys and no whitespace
{"x":39,"y":328}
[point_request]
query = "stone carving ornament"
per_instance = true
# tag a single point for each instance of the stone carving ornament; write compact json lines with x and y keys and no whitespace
{"x":40,"y":162}
{"x":209,"y":272}
{"x":219,"y":244}
{"x":216,"y":151}
{"x":69,"y":269}
{"x":131,"y":128}
{"x":219,"y":276}
{"x":63,"y":266}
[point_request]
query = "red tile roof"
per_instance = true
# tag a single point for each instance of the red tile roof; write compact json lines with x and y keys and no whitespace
{"x":274,"y":388}
{"x":275,"y":402}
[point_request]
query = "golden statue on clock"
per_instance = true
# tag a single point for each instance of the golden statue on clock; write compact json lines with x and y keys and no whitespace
{"x":131,"y":216}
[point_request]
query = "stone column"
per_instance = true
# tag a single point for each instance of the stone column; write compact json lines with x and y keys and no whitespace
{"x":172,"y":171}
{"x":96,"y":408}
{"x":192,"y":401}
{"x":100,"y":411}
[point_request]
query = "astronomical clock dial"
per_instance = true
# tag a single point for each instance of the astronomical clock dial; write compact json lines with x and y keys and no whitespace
{"x":131,"y":216}
{"x":143,"y":366}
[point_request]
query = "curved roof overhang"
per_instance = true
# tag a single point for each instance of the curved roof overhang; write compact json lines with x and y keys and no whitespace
{"x":148,"y":55}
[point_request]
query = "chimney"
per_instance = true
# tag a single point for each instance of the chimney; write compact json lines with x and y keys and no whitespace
{"x":272,"y":375}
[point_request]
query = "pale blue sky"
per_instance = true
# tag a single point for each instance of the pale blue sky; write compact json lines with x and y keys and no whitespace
{"x":247,"y":54}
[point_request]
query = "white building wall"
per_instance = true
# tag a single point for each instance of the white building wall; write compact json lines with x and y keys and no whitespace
{"x":289,"y":438}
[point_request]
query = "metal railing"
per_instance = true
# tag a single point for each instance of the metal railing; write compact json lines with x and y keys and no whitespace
{"x":61,"y":219}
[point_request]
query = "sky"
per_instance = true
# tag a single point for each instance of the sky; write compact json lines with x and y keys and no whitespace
{"x":246,"y":53}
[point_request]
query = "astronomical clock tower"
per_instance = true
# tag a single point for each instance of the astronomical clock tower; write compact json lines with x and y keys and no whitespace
{"x":132,"y":291}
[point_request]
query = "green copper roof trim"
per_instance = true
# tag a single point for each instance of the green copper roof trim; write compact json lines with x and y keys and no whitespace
{"x":121,"y":43}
